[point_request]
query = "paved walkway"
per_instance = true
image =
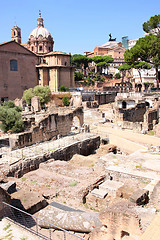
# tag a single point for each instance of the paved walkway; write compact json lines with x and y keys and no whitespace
{"x":126,"y":140}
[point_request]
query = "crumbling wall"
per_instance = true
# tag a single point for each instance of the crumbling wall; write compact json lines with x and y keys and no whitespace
{"x":49,"y":127}
{"x":84,"y":147}
{"x":134,"y":114}
{"x":4,"y":197}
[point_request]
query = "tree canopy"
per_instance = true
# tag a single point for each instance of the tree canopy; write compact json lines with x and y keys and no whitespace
{"x":78,"y":60}
{"x":11,"y":118}
{"x":146,"y":49}
{"x":44,"y":93}
{"x":152,"y":25}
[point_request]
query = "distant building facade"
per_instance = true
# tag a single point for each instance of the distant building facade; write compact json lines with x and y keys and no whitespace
{"x":17,"y":70}
{"x":112,"y":49}
{"x":25,"y":65}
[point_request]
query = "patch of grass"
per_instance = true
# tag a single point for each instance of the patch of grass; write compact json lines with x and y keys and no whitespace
{"x":34,"y":182}
{"x":24,"y":200}
{"x":6,"y":227}
{"x":48,"y":185}
{"x":139,"y":167}
{"x":9,"y":236}
{"x":73,"y":184}
{"x":23,"y":238}
{"x":23,"y":179}
{"x":92,"y":165}
{"x":52,"y":150}
{"x":150,"y":133}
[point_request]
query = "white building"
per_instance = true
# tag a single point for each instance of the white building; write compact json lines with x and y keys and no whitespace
{"x":148,"y":76}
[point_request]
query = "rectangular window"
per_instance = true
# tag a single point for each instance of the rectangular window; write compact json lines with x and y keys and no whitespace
{"x":13,"y":65}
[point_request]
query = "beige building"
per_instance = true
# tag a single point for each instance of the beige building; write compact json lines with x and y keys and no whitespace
{"x":54,"y":70}
{"x":112,"y":49}
{"x":17,"y":70}
{"x":24,"y":65}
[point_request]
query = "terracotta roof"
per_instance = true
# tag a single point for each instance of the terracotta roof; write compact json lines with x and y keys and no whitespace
{"x":12,"y":41}
{"x":56,"y":53}
{"x":24,"y":44}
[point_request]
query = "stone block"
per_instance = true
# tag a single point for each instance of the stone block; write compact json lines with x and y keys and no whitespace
{"x":140,"y":197}
{"x":111,"y":185}
{"x":10,"y":186}
{"x":99,"y":193}
{"x":28,"y":200}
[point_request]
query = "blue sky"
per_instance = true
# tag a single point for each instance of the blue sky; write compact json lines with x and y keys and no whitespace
{"x":78,"y":26}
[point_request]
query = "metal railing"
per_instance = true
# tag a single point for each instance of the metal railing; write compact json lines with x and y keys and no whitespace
{"x":32,"y":224}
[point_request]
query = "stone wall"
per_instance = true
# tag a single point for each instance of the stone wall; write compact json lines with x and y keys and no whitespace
{"x":104,"y":98}
{"x":84,"y":147}
{"x":49,"y":127}
{"x":4,"y":197}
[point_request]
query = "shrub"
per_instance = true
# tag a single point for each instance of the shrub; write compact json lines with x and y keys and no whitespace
{"x":44,"y":93}
{"x":62,"y":88}
{"x":11,"y":118}
{"x":118,"y":75}
{"x":78,"y":76}
{"x":65,"y":101}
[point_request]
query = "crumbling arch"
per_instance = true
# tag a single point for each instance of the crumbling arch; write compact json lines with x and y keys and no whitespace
{"x":76,"y":126}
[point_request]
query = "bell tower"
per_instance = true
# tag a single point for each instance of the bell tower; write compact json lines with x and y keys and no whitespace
{"x":16,"y":34}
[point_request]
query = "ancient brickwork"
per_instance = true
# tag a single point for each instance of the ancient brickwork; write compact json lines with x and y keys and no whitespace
{"x":49,"y":127}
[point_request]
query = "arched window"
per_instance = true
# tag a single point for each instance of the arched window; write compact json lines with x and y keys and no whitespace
{"x":40,"y":48}
{"x":32,"y":48}
{"x":13,"y":65}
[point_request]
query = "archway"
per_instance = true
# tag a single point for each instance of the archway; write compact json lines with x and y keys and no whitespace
{"x":124,"y":104}
{"x":75,"y":125}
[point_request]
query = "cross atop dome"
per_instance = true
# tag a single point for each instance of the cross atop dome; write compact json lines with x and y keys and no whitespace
{"x":40,"y":20}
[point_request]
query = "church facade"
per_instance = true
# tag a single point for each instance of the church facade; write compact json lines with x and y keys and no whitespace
{"x":37,"y":63}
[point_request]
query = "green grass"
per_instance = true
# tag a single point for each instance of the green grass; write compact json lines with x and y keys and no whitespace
{"x":150,"y":133}
{"x":74,"y":183}
{"x":23,"y":178}
{"x":139,"y":167}
{"x":6,"y":227}
{"x":34,"y":182}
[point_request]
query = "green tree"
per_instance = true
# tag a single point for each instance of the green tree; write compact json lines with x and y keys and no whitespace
{"x":123,"y":68}
{"x":139,"y":66}
{"x":28,"y":95}
{"x":65,"y":101}
{"x":44,"y":93}
{"x":118,"y":75}
{"x":102,"y":61}
{"x":11,"y":118}
{"x":146,"y":49}
{"x":152,"y":25}
{"x":102,"y":65}
{"x":78,"y":76}
{"x":80,"y":61}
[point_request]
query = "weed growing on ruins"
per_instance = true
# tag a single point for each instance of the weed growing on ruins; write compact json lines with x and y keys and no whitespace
{"x":24,"y":200}
{"x":23,"y":238}
{"x":150,"y":133}
{"x":48,"y":185}
{"x":23,"y":179}
{"x":74,"y":183}
{"x":52,"y":150}
{"x":139,"y":167}
{"x":6,"y":227}
{"x":34,"y":182}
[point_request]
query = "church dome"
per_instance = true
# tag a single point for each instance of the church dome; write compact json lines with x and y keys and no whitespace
{"x":40,"y":40}
{"x":40,"y":31}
